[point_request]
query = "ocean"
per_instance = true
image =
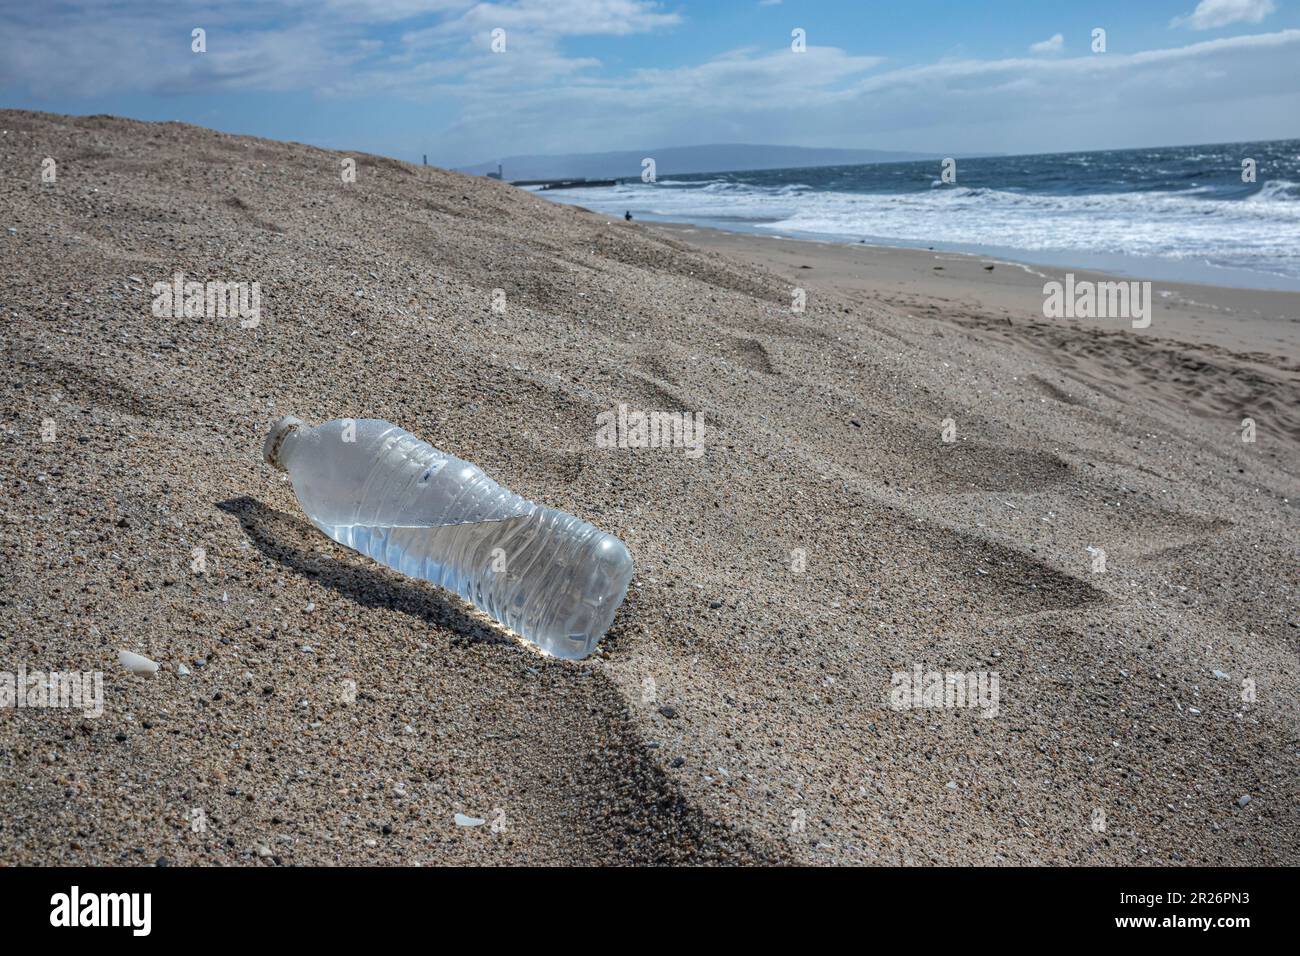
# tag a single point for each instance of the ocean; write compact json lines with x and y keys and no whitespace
{"x":1176,"y":213}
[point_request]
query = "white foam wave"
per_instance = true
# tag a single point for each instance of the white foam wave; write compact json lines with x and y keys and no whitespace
{"x":1261,"y":233}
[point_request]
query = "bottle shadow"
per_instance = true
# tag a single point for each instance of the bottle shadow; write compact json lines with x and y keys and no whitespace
{"x":295,"y":544}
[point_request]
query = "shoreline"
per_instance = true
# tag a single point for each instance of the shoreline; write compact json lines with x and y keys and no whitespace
{"x":1153,"y":268}
{"x":1244,"y":320}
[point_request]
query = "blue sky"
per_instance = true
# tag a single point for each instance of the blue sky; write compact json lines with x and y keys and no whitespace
{"x":410,"y":77}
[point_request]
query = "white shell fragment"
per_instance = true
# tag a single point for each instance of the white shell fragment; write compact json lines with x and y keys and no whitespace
{"x":137,"y":664}
{"x":464,"y":821}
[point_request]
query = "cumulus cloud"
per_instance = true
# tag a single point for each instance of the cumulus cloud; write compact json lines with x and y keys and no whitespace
{"x":1212,"y":14}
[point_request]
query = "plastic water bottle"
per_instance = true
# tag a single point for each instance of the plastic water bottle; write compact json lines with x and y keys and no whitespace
{"x":552,"y":578}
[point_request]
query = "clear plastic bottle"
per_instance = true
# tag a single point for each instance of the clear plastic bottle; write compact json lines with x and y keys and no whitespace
{"x":550,"y":577}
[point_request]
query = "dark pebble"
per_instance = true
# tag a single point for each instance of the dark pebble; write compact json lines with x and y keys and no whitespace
{"x":669,"y":712}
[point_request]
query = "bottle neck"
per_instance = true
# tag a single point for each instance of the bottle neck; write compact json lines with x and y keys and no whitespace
{"x":282,"y":435}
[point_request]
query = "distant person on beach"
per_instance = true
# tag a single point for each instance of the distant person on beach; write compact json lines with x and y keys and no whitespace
{"x":628,"y":215}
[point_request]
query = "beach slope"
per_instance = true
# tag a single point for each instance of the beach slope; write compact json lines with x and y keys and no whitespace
{"x":828,"y":543}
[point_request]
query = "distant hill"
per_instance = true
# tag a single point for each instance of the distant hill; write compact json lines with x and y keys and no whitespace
{"x":721,"y":157}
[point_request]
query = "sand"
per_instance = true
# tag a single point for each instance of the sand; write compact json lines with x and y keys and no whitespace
{"x":828,"y":538}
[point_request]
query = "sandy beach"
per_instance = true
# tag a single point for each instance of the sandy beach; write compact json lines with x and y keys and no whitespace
{"x":827,"y":540}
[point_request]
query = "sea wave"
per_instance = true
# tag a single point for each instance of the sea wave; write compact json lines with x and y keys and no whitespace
{"x":1258,"y":231}
{"x":1278,"y":189}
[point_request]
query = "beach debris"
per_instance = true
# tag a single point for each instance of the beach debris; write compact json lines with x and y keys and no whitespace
{"x":464,"y":821}
{"x":137,"y":664}
{"x":333,"y":459}
{"x":1243,"y":800}
{"x":262,"y":850}
{"x":1220,"y":675}
{"x":182,"y":670}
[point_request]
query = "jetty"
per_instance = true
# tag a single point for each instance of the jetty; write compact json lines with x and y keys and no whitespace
{"x":564,"y":183}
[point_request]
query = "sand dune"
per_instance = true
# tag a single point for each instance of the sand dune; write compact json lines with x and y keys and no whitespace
{"x":828,"y":538}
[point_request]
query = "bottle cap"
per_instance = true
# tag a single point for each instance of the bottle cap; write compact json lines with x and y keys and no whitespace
{"x":275,"y":438}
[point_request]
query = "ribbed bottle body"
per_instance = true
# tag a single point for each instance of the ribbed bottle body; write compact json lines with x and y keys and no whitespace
{"x":554,"y":579}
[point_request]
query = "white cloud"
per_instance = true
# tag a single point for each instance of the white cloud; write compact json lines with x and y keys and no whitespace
{"x":827,"y":97}
{"x":1054,"y":44}
{"x":450,"y":96}
{"x":564,"y":17}
{"x":1211,"y":14}
{"x":328,"y":46}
